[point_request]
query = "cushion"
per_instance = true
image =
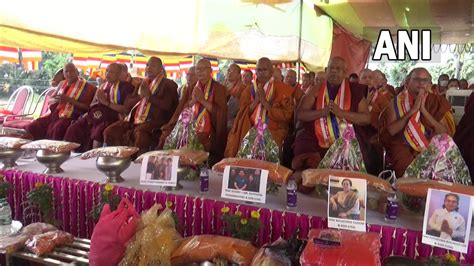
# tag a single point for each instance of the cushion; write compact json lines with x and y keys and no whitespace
{"x":112,"y":151}
{"x":51,"y":145}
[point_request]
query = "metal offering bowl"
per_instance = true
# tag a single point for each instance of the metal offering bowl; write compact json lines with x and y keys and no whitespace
{"x":8,"y":157}
{"x":182,"y":172}
{"x":52,"y":160}
{"x":112,"y":167}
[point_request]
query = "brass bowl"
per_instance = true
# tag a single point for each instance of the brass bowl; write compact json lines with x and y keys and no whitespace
{"x":8,"y":157}
{"x":112,"y":167}
{"x":52,"y":160}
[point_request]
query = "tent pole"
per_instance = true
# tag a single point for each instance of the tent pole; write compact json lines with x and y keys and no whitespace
{"x":298,"y":63}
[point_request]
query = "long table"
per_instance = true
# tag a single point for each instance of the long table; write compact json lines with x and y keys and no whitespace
{"x":77,"y":190}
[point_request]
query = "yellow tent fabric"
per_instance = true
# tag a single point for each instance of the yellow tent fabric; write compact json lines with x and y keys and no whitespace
{"x":246,"y":29}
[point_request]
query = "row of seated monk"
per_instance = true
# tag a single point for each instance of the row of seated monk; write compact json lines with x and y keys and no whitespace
{"x":304,"y":120}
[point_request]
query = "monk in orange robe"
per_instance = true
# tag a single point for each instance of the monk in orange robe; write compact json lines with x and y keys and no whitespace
{"x":191,"y":79}
{"x":208,"y":98}
{"x":247,"y":77}
{"x":73,"y":96}
{"x":157,"y":100}
{"x":235,"y":87}
{"x":269,"y":101}
{"x":413,"y":118}
{"x":464,"y":135}
{"x":106,"y":108}
{"x":338,"y":101}
{"x":380,"y":83}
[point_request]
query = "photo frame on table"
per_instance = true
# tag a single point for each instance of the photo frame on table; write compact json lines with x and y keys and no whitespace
{"x":159,"y":171}
{"x":447,"y":220}
{"x":246,"y":184}
{"x":347,"y":201}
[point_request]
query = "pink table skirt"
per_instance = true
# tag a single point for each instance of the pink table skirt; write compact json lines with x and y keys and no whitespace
{"x":74,"y":200}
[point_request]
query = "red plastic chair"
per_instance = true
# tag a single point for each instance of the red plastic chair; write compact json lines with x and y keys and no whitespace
{"x":17,"y":104}
{"x":20,"y":122}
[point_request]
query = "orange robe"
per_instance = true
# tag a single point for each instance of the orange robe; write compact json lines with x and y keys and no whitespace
{"x":400,"y":153}
{"x":280,"y":116}
{"x":215,"y":142}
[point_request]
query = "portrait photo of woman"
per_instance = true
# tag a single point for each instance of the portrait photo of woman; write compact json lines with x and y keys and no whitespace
{"x":345,"y":204}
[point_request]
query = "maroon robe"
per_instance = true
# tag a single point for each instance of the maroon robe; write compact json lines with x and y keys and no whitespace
{"x":464,"y":136}
{"x":91,"y":126}
{"x":52,"y":126}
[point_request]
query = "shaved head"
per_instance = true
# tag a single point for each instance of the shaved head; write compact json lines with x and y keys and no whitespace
{"x":319,"y":78}
{"x":366,"y":77}
{"x":264,"y":70}
{"x":336,"y":70}
{"x":154,"y":67}
{"x":233,"y":73}
{"x":291,"y":78}
{"x":418,"y":79}
{"x":71,"y":74}
{"x":203,"y":70}
{"x":113,"y":72}
{"x":191,"y":77}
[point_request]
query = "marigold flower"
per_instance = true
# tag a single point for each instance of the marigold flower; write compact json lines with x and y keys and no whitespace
{"x":238,"y":213}
{"x":243,"y":221}
{"x":450,"y":258}
{"x":39,"y":184}
{"x":255,"y":214}
{"x":108,"y":187}
{"x":169,"y":204}
{"x":225,"y":210}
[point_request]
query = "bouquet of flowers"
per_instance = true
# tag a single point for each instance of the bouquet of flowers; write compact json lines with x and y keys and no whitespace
{"x":240,"y":227}
{"x":440,"y":161}
{"x":183,"y":134}
{"x":106,"y":197}
{"x":258,"y":144}
{"x":345,"y":153}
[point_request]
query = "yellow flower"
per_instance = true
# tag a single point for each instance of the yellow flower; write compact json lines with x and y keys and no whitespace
{"x":225,"y":210}
{"x":450,"y":258}
{"x":255,"y":214}
{"x":238,"y":213}
{"x":243,"y":221}
{"x":169,"y":204}
{"x":38,"y":184}
{"x":108,"y":187}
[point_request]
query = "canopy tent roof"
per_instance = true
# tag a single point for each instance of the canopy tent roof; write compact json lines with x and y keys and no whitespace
{"x":244,"y":30}
{"x":451,"y":21}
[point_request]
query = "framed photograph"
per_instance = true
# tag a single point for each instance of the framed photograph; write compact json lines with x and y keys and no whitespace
{"x":159,"y":170}
{"x":447,"y":220}
{"x":347,"y":199}
{"x":246,"y":184}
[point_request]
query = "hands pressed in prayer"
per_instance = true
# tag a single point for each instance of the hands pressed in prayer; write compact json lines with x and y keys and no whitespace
{"x":419,"y":100}
{"x":370,"y":96}
{"x":445,"y":228}
{"x":423,"y":102}
{"x":144,"y":90}
{"x":334,"y":108}
{"x":102,"y":98}
{"x":198,"y":95}
{"x":342,"y":215}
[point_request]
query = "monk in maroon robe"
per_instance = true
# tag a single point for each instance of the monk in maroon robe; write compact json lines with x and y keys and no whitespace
{"x":155,"y":103}
{"x":209,"y":98}
{"x":413,"y":118}
{"x":307,"y":148}
{"x":464,"y":136}
{"x":74,"y":96}
{"x":106,"y":108}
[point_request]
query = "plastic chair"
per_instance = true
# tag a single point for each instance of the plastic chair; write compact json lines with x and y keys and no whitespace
{"x":17,"y":103}
{"x":21,"y":122}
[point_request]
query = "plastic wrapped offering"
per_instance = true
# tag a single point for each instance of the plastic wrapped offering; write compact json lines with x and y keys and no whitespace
{"x":112,"y":151}
{"x":440,"y":161}
{"x":56,"y":146}
{"x":46,"y":242}
{"x":344,"y":153}
{"x":202,"y":248}
{"x":10,"y":244}
{"x":276,"y":173}
{"x":333,"y":247}
{"x":183,"y":134}
{"x":187,"y":157}
{"x":12,"y":143}
{"x":258,"y":144}
{"x":155,"y":240}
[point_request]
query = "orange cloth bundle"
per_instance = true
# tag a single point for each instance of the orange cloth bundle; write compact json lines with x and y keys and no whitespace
{"x":187,"y":157}
{"x":417,"y":187}
{"x":276,"y":173}
{"x":208,"y":247}
{"x":112,"y":151}
{"x":333,"y":247}
{"x":312,"y":177}
{"x":51,"y":145}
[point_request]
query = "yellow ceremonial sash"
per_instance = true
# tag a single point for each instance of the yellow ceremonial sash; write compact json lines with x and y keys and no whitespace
{"x":331,"y":127}
{"x":201,"y":115}
{"x":75,"y":92}
{"x":144,"y":106}
{"x":260,"y":113}
{"x":414,"y":133}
